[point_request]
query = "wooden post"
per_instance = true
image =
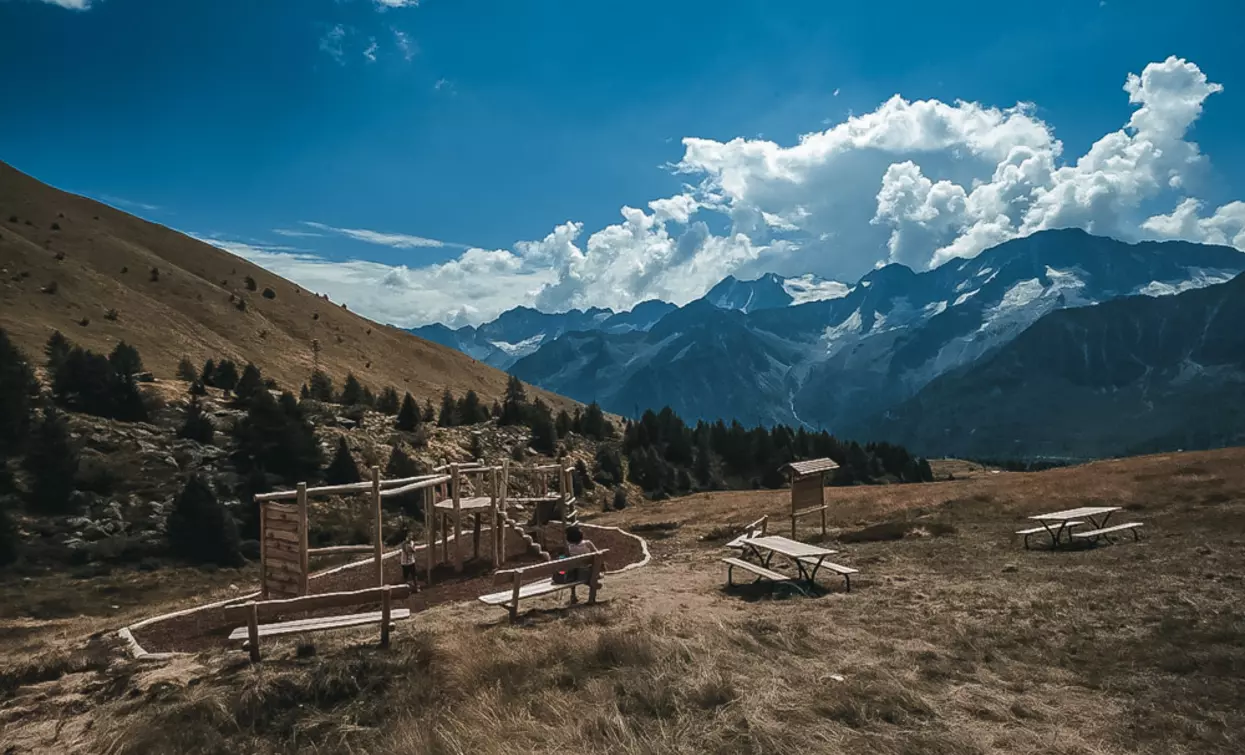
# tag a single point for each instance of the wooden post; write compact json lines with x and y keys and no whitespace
{"x":378,"y":540}
{"x":252,"y":626}
{"x":514,"y":597}
{"x":494,"y":520}
{"x":430,"y":524}
{"x":303,"y":561}
{"x":455,"y":491}
{"x":445,"y":538}
{"x":263,"y":552}
{"x":793,"y":478}
{"x":475,"y":534}
{"x":821,"y":501}
{"x":385,"y":602}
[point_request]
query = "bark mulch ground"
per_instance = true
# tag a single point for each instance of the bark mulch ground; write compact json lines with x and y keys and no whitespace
{"x":205,"y":630}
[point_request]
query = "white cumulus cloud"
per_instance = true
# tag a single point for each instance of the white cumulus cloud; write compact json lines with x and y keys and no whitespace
{"x":916,"y":182}
{"x":72,"y":4}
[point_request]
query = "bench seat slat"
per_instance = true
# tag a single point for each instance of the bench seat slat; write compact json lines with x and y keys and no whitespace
{"x":839,"y":568}
{"x":530,"y":590}
{"x":1105,"y":530}
{"x":760,"y":571}
{"x":1035,"y":530}
{"x":312,"y":625}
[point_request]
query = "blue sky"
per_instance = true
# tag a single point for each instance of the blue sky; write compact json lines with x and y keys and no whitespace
{"x":445,"y":160}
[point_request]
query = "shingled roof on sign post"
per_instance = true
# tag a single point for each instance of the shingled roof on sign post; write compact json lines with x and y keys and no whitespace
{"x":810,"y":467}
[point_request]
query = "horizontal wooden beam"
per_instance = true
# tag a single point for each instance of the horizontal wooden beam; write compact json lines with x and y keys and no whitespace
{"x":805,"y":512}
{"x":267,"y":609}
{"x":415,"y":486}
{"x":332,"y":549}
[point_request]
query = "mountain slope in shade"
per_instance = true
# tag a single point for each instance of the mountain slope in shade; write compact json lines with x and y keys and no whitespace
{"x":1138,"y":374}
{"x":833,"y":362}
{"x":102,"y":259}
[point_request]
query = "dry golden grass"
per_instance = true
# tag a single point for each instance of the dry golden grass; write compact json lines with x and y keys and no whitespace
{"x":955,"y":643}
{"x":106,"y":262}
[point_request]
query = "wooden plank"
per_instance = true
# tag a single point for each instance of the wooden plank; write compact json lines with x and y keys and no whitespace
{"x":320,"y":624}
{"x":530,"y":590}
{"x":385,"y":607}
{"x":270,"y":608}
{"x":289,"y":537}
{"x":420,"y":485}
{"x":333,"y":549}
{"x":252,"y":632}
{"x":547,"y":569}
{"x":760,"y":571}
{"x":806,"y":512}
{"x":1105,"y":530}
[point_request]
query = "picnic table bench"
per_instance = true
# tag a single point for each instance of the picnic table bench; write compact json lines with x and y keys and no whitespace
{"x":255,"y":612}
{"x":534,"y":581}
{"x":1066,"y":520}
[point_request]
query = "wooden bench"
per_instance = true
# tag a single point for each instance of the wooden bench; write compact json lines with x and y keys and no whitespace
{"x":760,"y":571}
{"x":537,"y":580}
{"x":845,"y":572}
{"x":1035,"y":530}
{"x":756,"y":529}
{"x":255,"y":612}
{"x":1103,"y":531}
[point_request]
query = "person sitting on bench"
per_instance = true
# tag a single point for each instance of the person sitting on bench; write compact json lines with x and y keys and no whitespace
{"x":576,"y":545}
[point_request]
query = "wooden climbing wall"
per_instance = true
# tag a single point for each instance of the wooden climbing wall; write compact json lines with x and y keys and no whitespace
{"x":283,"y":548}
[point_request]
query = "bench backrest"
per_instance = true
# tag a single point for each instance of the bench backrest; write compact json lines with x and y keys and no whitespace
{"x":757,"y":528}
{"x":268,"y":609}
{"x":525,"y":574}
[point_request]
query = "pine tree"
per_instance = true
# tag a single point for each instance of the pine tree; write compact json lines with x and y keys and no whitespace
{"x":495,"y":412}
{"x":18,"y":389}
{"x":251,"y":382}
{"x":544,"y":434}
{"x":200,"y":528}
{"x":274,"y":436}
{"x":52,"y":463}
{"x":369,"y":398}
{"x":304,"y":393}
{"x":447,"y":417}
{"x":408,"y":415}
{"x":352,"y":391}
{"x":186,"y":370}
{"x":56,"y":350}
{"x":9,"y":541}
{"x":208,"y":375}
{"x":470,"y":411}
{"x":514,"y":405}
{"x":197,"y":426}
{"x":608,"y":468}
{"x":125,"y":360}
{"x":197,"y":388}
{"x":342,"y":470}
{"x":388,"y":403}
{"x":226,"y":375}
{"x":594,"y":424}
{"x":430,"y":414}
{"x":402,"y":465}
{"x":321,"y":387}
{"x":563,"y":423}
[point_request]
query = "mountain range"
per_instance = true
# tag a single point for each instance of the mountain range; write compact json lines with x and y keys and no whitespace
{"x":831,"y":355}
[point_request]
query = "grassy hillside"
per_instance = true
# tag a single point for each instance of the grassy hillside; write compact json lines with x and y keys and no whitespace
{"x":101,"y":259}
{"x":954,"y":639}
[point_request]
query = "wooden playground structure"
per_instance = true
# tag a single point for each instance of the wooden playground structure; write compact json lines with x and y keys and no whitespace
{"x":285,"y":553}
{"x":808,"y":489}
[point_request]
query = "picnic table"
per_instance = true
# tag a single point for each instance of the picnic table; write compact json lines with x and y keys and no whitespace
{"x":1069,"y":518}
{"x":803,"y":554}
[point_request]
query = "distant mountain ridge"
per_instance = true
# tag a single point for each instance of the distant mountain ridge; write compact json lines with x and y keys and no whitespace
{"x":1133,"y":375}
{"x":835,"y":361}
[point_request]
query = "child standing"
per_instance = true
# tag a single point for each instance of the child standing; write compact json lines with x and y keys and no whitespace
{"x":407,"y":558}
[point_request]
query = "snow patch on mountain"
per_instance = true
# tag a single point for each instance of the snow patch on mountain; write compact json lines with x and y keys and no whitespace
{"x":1198,"y":278}
{"x":522,"y":348}
{"x":808,"y":288}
